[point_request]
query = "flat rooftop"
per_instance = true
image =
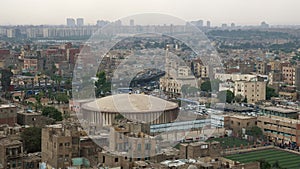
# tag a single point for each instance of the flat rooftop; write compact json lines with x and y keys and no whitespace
{"x":6,"y":105}
{"x":281,"y":119}
{"x":280,"y":109}
{"x":242,"y":117}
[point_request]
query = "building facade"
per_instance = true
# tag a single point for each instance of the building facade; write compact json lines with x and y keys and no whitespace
{"x":59,"y":145}
{"x":280,"y":129}
{"x":8,"y":114}
{"x":254,"y":91}
{"x":11,"y":153}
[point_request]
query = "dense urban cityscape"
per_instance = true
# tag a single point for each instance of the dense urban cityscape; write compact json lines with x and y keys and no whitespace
{"x":183,"y":96}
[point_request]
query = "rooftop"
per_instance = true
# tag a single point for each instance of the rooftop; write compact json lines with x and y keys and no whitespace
{"x":282,"y":119}
{"x":130,"y":103}
{"x":6,"y":141}
{"x":6,"y":105}
{"x":243,"y":117}
{"x":280,"y":109}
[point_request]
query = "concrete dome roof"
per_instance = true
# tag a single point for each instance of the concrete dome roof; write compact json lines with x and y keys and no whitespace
{"x":130,"y":103}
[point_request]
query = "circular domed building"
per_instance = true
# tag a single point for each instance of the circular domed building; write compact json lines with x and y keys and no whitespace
{"x":135,"y":107}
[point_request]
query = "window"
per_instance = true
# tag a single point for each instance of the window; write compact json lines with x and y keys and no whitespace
{"x":116,"y":160}
{"x":205,"y":146}
{"x":239,"y":123}
{"x":139,"y":147}
{"x":148,"y":146}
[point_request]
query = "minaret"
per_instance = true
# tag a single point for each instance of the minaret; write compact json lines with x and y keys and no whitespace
{"x":167,"y":70}
{"x":167,"y":62}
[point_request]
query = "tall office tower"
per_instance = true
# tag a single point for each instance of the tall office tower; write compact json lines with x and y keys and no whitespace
{"x":118,"y":23}
{"x":131,"y":22}
{"x":71,"y":22}
{"x":80,"y":21}
{"x":224,"y":25}
{"x":208,"y":24}
{"x":102,"y":23}
{"x":198,"y":23}
{"x":264,"y":25}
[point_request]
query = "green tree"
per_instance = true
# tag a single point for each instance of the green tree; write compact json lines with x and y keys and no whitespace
{"x":52,"y":112}
{"x":62,"y":98}
{"x":68,"y":84}
{"x":209,"y":86}
{"x":264,"y":164}
{"x":32,"y":139}
{"x":245,"y":100}
{"x":238,"y":98}
{"x":270,"y":92}
{"x":187,"y":89}
{"x":206,"y":86}
{"x":102,"y":85}
{"x":226,"y":94}
{"x":5,"y":79}
{"x":255,"y":131}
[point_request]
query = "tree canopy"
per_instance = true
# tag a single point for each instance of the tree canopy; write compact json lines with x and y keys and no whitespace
{"x":226,"y":94}
{"x":62,"y":98}
{"x":5,"y":79}
{"x":209,"y":86}
{"x":255,"y":131}
{"x":270,"y":92}
{"x":52,"y":112}
{"x":102,"y":85}
{"x":187,"y":89}
{"x":32,"y":139}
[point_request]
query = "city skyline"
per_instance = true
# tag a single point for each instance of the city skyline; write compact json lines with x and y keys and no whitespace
{"x":55,"y":12}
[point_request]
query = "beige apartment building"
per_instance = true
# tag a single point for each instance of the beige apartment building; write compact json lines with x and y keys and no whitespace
{"x":291,"y":76}
{"x":11,"y":153}
{"x":234,"y":77}
{"x":254,"y":91}
{"x":30,"y":64}
{"x":60,"y":144}
{"x":8,"y":114}
{"x":174,"y":85}
{"x":280,"y":129}
{"x":199,"y":69}
{"x":288,"y":75}
{"x":261,"y":67}
{"x":238,"y":123}
{"x":134,"y":139}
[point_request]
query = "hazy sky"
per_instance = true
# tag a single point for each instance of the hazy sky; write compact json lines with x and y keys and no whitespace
{"x":241,"y":12}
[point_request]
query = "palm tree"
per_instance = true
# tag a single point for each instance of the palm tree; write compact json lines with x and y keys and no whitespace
{"x":32,"y":83}
{"x":39,"y":81}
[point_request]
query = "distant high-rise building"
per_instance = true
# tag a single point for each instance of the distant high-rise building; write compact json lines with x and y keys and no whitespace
{"x":70,"y":22}
{"x":198,"y":23}
{"x":232,"y":25}
{"x":264,"y":25}
{"x":118,"y":23}
{"x":224,"y":25}
{"x":131,"y":22}
{"x":80,"y":21}
{"x":208,"y":24}
{"x":102,"y":23}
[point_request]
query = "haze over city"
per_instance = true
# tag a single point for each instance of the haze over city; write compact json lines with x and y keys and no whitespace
{"x":54,"y":12}
{"x":131,"y":84}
